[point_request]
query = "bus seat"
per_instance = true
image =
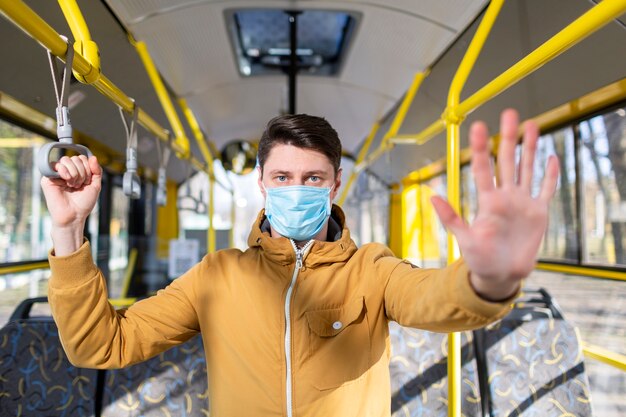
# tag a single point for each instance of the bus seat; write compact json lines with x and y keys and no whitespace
{"x":418,"y":370}
{"x":36,"y":378}
{"x":532,"y":362}
{"x":172,"y":383}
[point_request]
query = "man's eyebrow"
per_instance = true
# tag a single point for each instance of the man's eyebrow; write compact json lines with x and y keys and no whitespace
{"x":317,"y":173}
{"x":279,"y":172}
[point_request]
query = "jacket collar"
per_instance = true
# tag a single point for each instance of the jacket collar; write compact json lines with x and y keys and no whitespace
{"x":339,"y":248}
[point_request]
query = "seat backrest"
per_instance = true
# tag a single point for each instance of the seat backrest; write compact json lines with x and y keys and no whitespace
{"x":172,"y":383}
{"x":418,"y":370}
{"x":534,"y":366}
{"x":36,"y":378}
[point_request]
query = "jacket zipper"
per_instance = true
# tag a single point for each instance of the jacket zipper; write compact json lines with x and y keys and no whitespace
{"x":300,"y":254}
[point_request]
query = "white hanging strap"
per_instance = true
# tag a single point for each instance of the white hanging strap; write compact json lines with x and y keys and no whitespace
{"x":131,"y":182}
{"x":164,"y":157}
{"x":61,"y":80}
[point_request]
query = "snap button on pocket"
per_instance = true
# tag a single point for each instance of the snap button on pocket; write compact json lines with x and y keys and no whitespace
{"x":337,"y":325}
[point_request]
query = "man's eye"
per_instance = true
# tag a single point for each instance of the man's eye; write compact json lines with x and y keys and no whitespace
{"x":281,"y":178}
{"x":314,"y":178}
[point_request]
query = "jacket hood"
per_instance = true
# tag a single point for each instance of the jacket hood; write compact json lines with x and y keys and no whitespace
{"x":339,"y":249}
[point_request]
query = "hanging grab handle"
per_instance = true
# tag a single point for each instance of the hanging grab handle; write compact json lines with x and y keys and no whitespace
{"x":61,"y":82}
{"x":131,"y":183}
{"x":164,"y":156}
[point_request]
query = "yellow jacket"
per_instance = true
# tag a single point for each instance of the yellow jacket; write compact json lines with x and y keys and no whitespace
{"x":279,"y":340}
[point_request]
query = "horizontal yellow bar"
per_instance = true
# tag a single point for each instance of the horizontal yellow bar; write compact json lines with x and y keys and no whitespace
{"x":197,"y":132}
{"x":23,"y":268}
{"x":164,"y":97}
{"x":594,"y":19}
{"x":583,"y":271}
{"x":33,"y":25}
{"x":122,"y":302}
{"x":21,"y":142}
{"x":606,"y":356}
{"x":437,"y":127}
{"x":359,"y":159}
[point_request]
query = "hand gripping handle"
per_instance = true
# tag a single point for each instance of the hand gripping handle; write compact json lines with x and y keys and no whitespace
{"x":43,"y":156}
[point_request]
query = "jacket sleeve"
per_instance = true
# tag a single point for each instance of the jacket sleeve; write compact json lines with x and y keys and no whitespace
{"x":95,"y":335}
{"x":439,"y":300}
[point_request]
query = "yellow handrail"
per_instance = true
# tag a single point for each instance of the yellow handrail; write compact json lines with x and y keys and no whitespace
{"x":33,"y":25}
{"x":24,"y":267}
{"x":582,"y":270}
{"x":598,"y":16}
{"x":591,"y":21}
{"x":208,"y":157}
{"x":453,"y":120}
{"x":83,"y":43}
{"x":128,"y":273}
{"x":164,"y":97}
{"x":606,"y":356}
{"x":385,"y":143}
{"x":359,"y":159}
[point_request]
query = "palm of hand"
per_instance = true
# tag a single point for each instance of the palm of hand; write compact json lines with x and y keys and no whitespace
{"x":501,"y":245}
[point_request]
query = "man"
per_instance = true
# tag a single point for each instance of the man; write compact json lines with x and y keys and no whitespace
{"x":296,"y":325}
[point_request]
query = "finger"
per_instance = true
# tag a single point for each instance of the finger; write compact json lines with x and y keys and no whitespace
{"x":449,"y":218}
{"x":548,"y":187}
{"x":71,"y":168}
{"x":509,"y":122}
{"x":531,"y":133}
{"x":64,"y":173}
{"x":96,"y":171}
{"x":82,"y":175}
{"x":481,"y":158}
{"x":87,"y":169}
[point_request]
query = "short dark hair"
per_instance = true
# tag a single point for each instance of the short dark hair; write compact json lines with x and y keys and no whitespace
{"x":302,"y":131}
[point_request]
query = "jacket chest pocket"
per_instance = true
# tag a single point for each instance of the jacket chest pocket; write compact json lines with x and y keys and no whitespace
{"x":339,"y":343}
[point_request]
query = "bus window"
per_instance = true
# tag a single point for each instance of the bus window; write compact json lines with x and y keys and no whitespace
{"x":118,"y":249}
{"x":561,"y":240}
{"x":603,"y":172}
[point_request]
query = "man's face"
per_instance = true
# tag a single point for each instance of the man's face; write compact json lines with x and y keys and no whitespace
{"x":290,"y":165}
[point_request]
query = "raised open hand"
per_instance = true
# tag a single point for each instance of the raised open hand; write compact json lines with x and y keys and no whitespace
{"x":500,"y":246}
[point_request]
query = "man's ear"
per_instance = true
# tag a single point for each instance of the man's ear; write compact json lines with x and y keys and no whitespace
{"x":260,"y":180}
{"x":335,"y":191}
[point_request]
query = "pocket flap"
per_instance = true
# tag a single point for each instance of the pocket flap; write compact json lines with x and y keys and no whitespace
{"x":331,"y":322}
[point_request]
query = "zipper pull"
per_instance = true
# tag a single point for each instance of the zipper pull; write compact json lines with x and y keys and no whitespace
{"x":298,"y":259}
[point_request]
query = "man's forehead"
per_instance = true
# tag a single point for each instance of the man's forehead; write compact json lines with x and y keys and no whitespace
{"x":295,"y":159}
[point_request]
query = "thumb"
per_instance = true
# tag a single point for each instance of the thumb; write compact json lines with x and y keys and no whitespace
{"x":449,"y":218}
{"x":96,"y":171}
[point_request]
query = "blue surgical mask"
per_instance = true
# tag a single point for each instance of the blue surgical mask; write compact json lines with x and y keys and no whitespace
{"x":297,"y":211}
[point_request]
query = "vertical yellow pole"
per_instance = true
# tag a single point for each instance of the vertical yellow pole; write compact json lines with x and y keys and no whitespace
{"x":208,"y":157}
{"x":453,"y":123}
{"x":395,"y":221}
{"x":211,"y":230}
{"x":454,"y":339}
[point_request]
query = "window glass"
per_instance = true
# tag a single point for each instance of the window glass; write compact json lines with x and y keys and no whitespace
{"x":118,"y":249}
{"x":24,"y":219}
{"x":603,"y":172}
{"x":15,"y":288}
{"x":469,"y":198}
{"x":436,"y":240}
{"x":262,"y":40}
{"x":561,"y":240}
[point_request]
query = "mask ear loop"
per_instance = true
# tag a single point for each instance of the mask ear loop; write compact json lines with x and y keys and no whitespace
{"x":164,"y":157}
{"x":131,"y":182}
{"x":61,"y":81}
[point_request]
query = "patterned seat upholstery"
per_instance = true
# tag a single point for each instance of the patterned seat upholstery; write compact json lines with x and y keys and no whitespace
{"x":535,"y":367}
{"x":419,"y":371}
{"x":36,"y":379}
{"x":173,"y":383}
